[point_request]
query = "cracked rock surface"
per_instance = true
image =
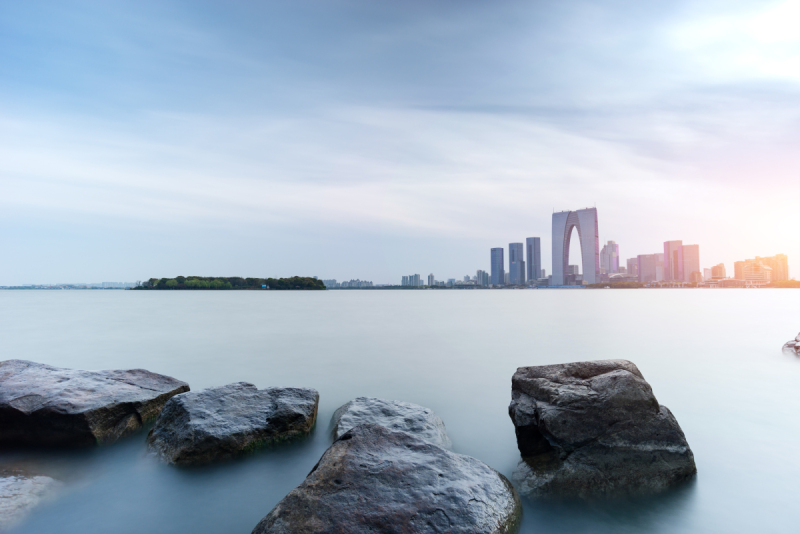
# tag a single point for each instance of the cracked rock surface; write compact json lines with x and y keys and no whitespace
{"x":591,"y":429}
{"x":395,"y":415}
{"x":373,"y":479}
{"x":223,"y":422}
{"x":41,"y":405}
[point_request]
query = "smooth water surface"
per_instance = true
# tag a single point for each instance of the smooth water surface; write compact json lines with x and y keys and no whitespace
{"x":712,"y":356}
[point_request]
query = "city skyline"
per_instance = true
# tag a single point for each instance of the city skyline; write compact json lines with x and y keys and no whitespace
{"x":154,"y":139}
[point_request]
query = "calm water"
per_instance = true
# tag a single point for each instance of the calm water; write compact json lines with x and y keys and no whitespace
{"x":713,"y":357}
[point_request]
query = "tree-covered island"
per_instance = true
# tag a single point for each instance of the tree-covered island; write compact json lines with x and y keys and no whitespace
{"x":234,"y":282}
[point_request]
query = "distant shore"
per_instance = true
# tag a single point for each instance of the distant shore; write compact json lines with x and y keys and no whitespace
{"x":231,"y":283}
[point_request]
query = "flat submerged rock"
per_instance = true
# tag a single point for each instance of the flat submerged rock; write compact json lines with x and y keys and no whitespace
{"x":42,"y":405}
{"x":227,"y":421}
{"x":395,"y":415}
{"x":20,"y":494}
{"x":591,"y":429}
{"x":373,"y":480}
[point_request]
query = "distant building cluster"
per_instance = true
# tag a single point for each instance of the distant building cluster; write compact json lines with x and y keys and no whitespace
{"x":413,"y":280}
{"x":81,"y":285}
{"x":678,"y":265}
{"x":352,"y":284}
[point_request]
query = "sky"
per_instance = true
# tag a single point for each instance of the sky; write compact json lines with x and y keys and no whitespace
{"x":376,"y":139}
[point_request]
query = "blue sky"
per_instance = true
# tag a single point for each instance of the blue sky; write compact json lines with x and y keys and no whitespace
{"x":349,"y":139}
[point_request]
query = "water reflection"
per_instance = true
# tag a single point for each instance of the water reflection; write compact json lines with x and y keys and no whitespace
{"x":655,"y":513}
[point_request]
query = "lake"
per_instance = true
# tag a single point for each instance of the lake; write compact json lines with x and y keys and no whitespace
{"x":712,"y":356}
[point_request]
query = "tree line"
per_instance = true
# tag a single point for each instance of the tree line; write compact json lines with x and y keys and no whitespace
{"x":234,"y":282}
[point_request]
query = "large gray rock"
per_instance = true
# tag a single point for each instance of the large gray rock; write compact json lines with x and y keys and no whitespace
{"x":50,"y":406}
{"x":223,"y":422}
{"x":20,"y":493}
{"x":395,"y":415}
{"x":591,"y":429}
{"x":375,"y":480}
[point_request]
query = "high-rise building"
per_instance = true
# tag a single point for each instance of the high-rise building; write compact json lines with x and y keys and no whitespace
{"x":516,"y":264}
{"x":431,"y":280}
{"x":707,"y":275}
{"x":779,"y":265}
{"x":778,"y":268}
{"x":498,"y":267}
{"x":647,"y":267}
{"x":413,"y":280}
{"x":482,"y":278}
{"x":718,"y":272}
{"x":609,"y":258}
{"x":691,"y":262}
{"x":673,"y":260}
{"x":659,"y":266}
{"x":633,"y":266}
{"x":756,"y":273}
{"x":534,"y":258}
{"x":585,"y":221}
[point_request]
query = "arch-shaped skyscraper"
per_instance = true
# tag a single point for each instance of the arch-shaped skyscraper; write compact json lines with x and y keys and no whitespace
{"x":585,"y":221}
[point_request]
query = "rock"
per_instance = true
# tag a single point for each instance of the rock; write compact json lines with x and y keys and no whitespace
{"x":42,"y":405}
{"x":591,"y":429}
{"x":223,"y":422}
{"x":375,"y":480}
{"x":793,"y":347}
{"x":20,"y":493}
{"x":395,"y":415}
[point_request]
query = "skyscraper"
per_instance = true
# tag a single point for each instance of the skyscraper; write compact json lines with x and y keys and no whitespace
{"x":534,"y":266}
{"x":673,"y":260}
{"x":691,"y":261}
{"x":585,"y":221}
{"x":718,"y":271}
{"x":498,"y":267}
{"x":431,"y":280}
{"x":482,"y":278}
{"x":516,"y":265}
{"x":633,"y":266}
{"x":609,"y":258}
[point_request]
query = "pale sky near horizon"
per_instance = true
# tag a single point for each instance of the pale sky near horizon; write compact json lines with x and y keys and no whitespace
{"x":367,"y":139}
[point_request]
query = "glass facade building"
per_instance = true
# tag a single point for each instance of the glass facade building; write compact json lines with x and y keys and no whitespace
{"x":516,"y":264}
{"x":673,"y":260}
{"x":534,"y":258}
{"x":498,"y":267}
